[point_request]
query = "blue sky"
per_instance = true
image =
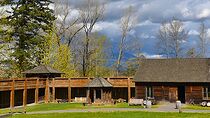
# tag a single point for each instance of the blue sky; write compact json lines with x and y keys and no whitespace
{"x":150,"y":14}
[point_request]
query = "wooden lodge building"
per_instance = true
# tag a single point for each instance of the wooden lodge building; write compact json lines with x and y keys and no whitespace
{"x":46,"y":84}
{"x":186,"y":80}
{"x":160,"y":79}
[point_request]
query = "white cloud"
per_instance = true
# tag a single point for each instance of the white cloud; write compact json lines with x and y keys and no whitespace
{"x":193,"y":32}
{"x":103,"y":25}
{"x":152,"y":56}
{"x":208,"y":32}
{"x":147,"y":22}
{"x":204,"y":13}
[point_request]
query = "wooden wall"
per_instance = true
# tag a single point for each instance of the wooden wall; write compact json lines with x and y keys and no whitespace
{"x":193,"y":92}
{"x":169,"y":91}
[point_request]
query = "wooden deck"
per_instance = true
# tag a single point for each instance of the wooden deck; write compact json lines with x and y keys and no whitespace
{"x":50,"y":85}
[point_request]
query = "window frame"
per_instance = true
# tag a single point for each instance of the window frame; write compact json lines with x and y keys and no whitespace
{"x":206,"y":93}
{"x":149,"y":92}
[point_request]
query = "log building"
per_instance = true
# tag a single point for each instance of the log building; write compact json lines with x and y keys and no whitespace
{"x":186,"y":80}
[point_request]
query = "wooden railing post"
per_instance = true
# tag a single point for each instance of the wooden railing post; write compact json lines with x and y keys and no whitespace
{"x":53,"y":89}
{"x":47,"y":91}
{"x":25,"y":95}
{"x":69,"y":90}
{"x":37,"y":91}
{"x":12,"y":95}
{"x":129,"y":90}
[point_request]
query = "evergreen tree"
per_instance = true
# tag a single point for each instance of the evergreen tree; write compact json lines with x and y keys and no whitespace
{"x":25,"y":27}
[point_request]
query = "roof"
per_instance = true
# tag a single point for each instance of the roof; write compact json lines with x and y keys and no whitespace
{"x":43,"y":69}
{"x":99,"y":82}
{"x":173,"y":70}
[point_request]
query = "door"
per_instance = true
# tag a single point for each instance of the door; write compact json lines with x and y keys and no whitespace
{"x":181,"y":93}
{"x":173,"y":94}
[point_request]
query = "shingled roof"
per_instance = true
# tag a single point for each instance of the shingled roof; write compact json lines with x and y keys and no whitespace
{"x":99,"y":82}
{"x":173,"y":70}
{"x":43,"y":69}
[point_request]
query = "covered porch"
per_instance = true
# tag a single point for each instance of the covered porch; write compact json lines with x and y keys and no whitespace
{"x":99,"y":90}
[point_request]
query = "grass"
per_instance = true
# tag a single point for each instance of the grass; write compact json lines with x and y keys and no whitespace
{"x":66,"y":106}
{"x":196,"y":107}
{"x":116,"y":115}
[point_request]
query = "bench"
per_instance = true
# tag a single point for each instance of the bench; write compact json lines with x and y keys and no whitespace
{"x":61,"y":100}
{"x":136,"y":102}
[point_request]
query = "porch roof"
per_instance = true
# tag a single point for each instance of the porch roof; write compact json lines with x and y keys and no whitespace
{"x":99,"y":82}
{"x":42,"y":69}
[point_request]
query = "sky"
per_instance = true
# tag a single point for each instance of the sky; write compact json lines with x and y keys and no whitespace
{"x":151,"y":13}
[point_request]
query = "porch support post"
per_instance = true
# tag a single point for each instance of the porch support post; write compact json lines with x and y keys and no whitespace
{"x":88,"y":95}
{"x":12,"y":95}
{"x":25,"y":95}
{"x":102,"y":94}
{"x":129,"y":90}
{"x":69,"y":90}
{"x":47,"y":91}
{"x":94,"y":94}
{"x":53,"y":89}
{"x":110,"y":94}
{"x":37,"y":91}
{"x":163,"y":93}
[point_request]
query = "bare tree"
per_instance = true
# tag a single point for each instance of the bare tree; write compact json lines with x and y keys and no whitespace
{"x":127,"y":23}
{"x":163,"y":43}
{"x":67,"y":26}
{"x":203,"y":40}
{"x":171,"y":36}
{"x":90,"y":14}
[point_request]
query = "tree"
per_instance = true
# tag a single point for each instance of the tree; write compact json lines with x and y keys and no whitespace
{"x":98,"y":55}
{"x":90,"y":13}
{"x":26,"y":24}
{"x":170,"y":37}
{"x":126,"y":24}
{"x":191,"y":53}
{"x":164,"y":42}
{"x":58,"y":56}
{"x":203,"y":40}
{"x":66,"y":27}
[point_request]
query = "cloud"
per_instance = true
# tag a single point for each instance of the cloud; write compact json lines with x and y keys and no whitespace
{"x":156,"y":56}
{"x":151,"y":14}
{"x":193,"y":32}
{"x":204,"y":13}
{"x":110,"y":29}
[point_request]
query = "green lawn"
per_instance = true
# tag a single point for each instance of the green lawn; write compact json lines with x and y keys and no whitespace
{"x":66,"y":106}
{"x":196,"y":107}
{"x":116,"y":115}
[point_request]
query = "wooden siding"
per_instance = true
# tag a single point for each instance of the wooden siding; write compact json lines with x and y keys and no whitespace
{"x":169,"y":92}
{"x":140,"y":91}
{"x":193,"y":93}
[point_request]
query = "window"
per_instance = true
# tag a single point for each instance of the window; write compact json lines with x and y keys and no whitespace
{"x":149,"y":92}
{"x":206,"y":93}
